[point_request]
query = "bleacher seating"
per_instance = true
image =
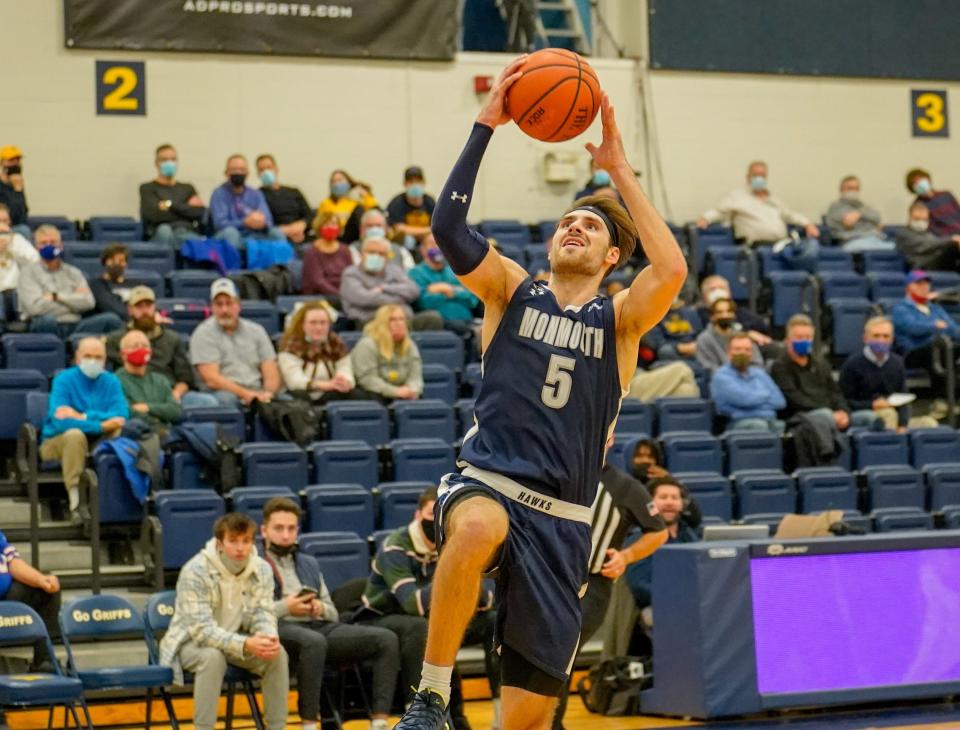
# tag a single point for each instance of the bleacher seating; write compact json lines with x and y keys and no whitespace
{"x":901,"y":518}
{"x":274,"y":463}
{"x":42,"y":352}
{"x":789,"y":295}
{"x":250,"y":500}
{"x":440,"y":346}
{"x":332,"y":507}
{"x":366,"y":421}
{"x":342,"y":556}
{"x":421,"y":459}
{"x":876,"y":448}
{"x":684,"y":414}
{"x":765,"y":492}
{"x":67,"y":228}
{"x":943,"y":481}
{"x":115,"y":228}
{"x":186,"y":313}
{"x":398,"y":502}
{"x":894,"y":486}
{"x":263,"y":313}
{"x":699,"y":452}
{"x":117,"y":503}
{"x":712,"y":493}
{"x":847,"y":319}
{"x":824,"y":488}
{"x":229,"y":419}
{"x":890,"y":261}
{"x":191,"y":284}
{"x":187,"y":517}
{"x":635,"y":417}
{"x":752,"y":450}
{"x":345,"y":462}
{"x":424,"y":419}
{"x":934,"y":446}
{"x":15,"y":383}
{"x":440,"y":383}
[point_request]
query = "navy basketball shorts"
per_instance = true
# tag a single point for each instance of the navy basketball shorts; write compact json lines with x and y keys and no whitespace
{"x":541,"y":572}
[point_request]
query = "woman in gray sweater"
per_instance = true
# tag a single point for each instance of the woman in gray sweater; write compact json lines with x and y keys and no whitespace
{"x":386,"y":362}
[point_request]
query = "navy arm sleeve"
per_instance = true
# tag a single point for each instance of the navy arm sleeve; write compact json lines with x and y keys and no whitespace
{"x":463,"y":248}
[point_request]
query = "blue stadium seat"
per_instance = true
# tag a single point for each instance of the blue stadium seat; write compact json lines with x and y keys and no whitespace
{"x":789,"y":295}
{"x":464,"y":411}
{"x":847,"y":318}
{"x":934,"y":446}
{"x":379,"y":537}
{"x":511,"y":246}
{"x":397,"y":502}
{"x":943,"y":480}
{"x":711,"y":492}
{"x":876,"y":448}
{"x":416,"y":460}
{"x":539,"y":262}
{"x":147,"y":277}
{"x":350,"y":338}
{"x":857,"y":520}
{"x":732,"y":263}
{"x":635,"y":417}
{"x":439,"y":382}
{"x":332,"y":507}
{"x":512,"y":230}
{"x":35,"y":690}
{"x":941,"y":280}
{"x":14,"y":386}
{"x":424,"y":419}
{"x":263,"y":313}
{"x":187,"y":517}
{"x":765,"y":492}
{"x":42,"y":352}
{"x":546,"y":229}
{"x":229,"y":419}
{"x":842,"y":285}
{"x":894,"y":486}
{"x":191,"y":284}
{"x":535,"y":250}
{"x":345,"y":462}
{"x":250,"y":500}
{"x":880,"y":261}
{"x":115,"y":228}
{"x":287,"y":303}
{"x":901,"y":518}
{"x":67,"y":228}
{"x":186,"y":471}
{"x":885,"y":285}
{"x":753,"y":450}
{"x":769,"y":262}
{"x":684,"y":414}
{"x":472,"y":375}
{"x":342,"y":556}
{"x":951,"y":517}
{"x":117,"y":503}
{"x":274,"y":463}
{"x":185,"y":313}
{"x":85,"y":256}
{"x":350,"y":420}
{"x":771,"y":519}
{"x":826,"y":487}
{"x":440,"y":346}
{"x":692,"y":452}
{"x":834,"y":259}
{"x":156,"y":257}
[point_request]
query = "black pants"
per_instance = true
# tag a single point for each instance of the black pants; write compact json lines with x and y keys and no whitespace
{"x":594,"y":606}
{"x":311,"y":644}
{"x":45,"y":604}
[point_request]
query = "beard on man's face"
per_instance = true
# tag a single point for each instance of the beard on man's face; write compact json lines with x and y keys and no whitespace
{"x":144,"y":324}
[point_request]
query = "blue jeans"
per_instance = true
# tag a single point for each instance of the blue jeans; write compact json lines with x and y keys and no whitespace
{"x":868,"y":243}
{"x":198,"y":399}
{"x":802,"y":255}
{"x":98,"y":324}
{"x":772,"y":425}
{"x":173,"y":237}
{"x":235,"y":236}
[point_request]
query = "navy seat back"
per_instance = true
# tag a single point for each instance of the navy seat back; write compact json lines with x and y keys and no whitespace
{"x":903,"y":518}
{"x":711,"y":492}
{"x":471,"y":377}
{"x":37,"y":405}
{"x":156,"y":257}
{"x":732,"y":263}
{"x":826,"y":487}
{"x":684,"y":414}
{"x":441,"y":347}
{"x":842,"y":285}
{"x":883,"y":261}
{"x":85,"y":256}
{"x":185,"y":312}
{"x":753,"y":450}
{"x":117,"y":503}
{"x":635,"y":417}
{"x":894,"y":486}
{"x":944,"y":483}
{"x":187,"y":517}
{"x":186,"y":472}
{"x":345,"y":462}
{"x":263,"y":313}
{"x":765,"y":492}
{"x":250,"y":500}
{"x":332,"y":507}
{"x":876,"y":448}
{"x":147,"y":277}
{"x":115,"y":228}
{"x":14,"y":386}
{"x":43,"y":352}
{"x":342,"y":556}
{"x":692,"y":452}
{"x":67,"y":228}
{"x":274,"y":463}
{"x":934,"y":446}
{"x":439,"y":383}
{"x":157,"y":615}
{"x":398,"y":501}
{"x":229,"y":419}
{"x":192,"y":284}
{"x":424,"y":419}
{"x":834,"y":259}
{"x":885,"y":285}
{"x":421,"y":459}
{"x":99,"y":617}
{"x":788,"y":295}
{"x":847,"y":319}
{"x":351,"y":420}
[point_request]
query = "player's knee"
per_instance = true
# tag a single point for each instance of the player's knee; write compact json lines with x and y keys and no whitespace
{"x":479,"y":527}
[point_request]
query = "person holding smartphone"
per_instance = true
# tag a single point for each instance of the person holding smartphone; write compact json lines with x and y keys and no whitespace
{"x":309,"y":626}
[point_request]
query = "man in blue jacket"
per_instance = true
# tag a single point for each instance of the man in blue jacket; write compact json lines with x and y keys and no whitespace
{"x":917,"y":320}
{"x":239,"y":211}
{"x":86,"y":404}
{"x":744,"y":393}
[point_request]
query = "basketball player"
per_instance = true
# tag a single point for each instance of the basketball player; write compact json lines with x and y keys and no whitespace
{"x":557,"y":358}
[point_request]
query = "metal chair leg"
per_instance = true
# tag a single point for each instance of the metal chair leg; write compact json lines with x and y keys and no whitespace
{"x":228,"y":723}
{"x":254,"y":706}
{"x":149,"y":708}
{"x":171,"y":713}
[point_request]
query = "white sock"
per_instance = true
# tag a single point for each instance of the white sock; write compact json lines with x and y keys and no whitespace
{"x":379,"y":724}
{"x":436,"y":679}
{"x":73,"y":494}
{"x":308,"y":726}
{"x":496,"y":714}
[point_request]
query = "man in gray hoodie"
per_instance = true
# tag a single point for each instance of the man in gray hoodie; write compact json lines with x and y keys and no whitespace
{"x":712,"y":342}
{"x":224,"y":614}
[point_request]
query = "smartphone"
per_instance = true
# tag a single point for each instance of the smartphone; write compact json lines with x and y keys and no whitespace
{"x":304,"y":592}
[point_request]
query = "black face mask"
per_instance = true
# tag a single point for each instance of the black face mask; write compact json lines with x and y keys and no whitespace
{"x":238,"y":179}
{"x":725,"y":322}
{"x":429,"y":530}
{"x":282,"y":551}
{"x":13,"y":170}
{"x":115,"y":271}
{"x":641,"y":471}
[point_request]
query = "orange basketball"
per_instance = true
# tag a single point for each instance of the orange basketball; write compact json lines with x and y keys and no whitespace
{"x":557,"y":97}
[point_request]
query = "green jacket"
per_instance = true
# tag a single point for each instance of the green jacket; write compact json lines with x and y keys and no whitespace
{"x":154,"y":390}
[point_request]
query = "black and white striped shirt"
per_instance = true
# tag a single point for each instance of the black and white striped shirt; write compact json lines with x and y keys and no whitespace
{"x":622,"y":503}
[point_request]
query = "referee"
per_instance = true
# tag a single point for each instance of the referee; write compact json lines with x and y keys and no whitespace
{"x":621,"y":504}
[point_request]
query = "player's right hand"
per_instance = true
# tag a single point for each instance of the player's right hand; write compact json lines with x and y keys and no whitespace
{"x":494,"y":112}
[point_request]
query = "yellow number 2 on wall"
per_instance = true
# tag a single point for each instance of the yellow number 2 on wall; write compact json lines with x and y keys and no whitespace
{"x":121,"y":87}
{"x":929,"y":112}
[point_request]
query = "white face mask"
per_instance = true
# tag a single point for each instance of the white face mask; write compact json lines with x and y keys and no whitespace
{"x":91,"y":367}
{"x":851,"y":196}
{"x":919,"y":224}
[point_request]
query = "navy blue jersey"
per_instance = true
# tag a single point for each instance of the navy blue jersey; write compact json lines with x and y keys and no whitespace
{"x":549,"y":396}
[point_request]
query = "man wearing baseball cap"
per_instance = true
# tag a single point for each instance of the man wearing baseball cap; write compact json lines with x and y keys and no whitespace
{"x":168,"y":352}
{"x":234,"y":356}
{"x":918,"y":320}
{"x":11,"y":187}
{"x":410,"y":211}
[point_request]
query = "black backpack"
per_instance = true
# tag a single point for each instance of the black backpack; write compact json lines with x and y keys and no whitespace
{"x":291,"y":420}
{"x":213,"y":448}
{"x":613,"y":687}
{"x":265,"y":284}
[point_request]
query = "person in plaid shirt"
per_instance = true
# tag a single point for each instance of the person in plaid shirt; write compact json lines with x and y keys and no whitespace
{"x":224,"y":614}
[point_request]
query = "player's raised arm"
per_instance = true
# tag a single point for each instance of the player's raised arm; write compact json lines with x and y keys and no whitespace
{"x":648,"y":299}
{"x":481,"y":269}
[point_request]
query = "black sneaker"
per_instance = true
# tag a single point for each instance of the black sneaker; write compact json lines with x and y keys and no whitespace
{"x":426,"y":712}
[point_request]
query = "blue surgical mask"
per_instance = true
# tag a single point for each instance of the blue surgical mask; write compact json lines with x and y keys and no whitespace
{"x":339,"y":189}
{"x":600,"y":179}
{"x":168,"y":168}
{"x":415,"y":190}
{"x":802,"y":348}
{"x":91,"y":367}
{"x":268,"y":178}
{"x":758,"y":182}
{"x":879,"y":348}
{"x":435,"y":255}
{"x":374,"y":232}
{"x":50,"y":252}
{"x":922,"y":186}
{"x":374,"y":262}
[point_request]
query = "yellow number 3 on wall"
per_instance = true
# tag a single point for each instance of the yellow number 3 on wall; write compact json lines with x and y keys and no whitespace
{"x":121,"y":87}
{"x":929,"y":112}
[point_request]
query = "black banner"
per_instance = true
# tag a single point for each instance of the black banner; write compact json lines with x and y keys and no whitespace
{"x":401,"y":29}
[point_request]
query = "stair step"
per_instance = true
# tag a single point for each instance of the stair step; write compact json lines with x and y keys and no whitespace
{"x":16,"y":512}
{"x":57,"y":556}
{"x":561,"y":33}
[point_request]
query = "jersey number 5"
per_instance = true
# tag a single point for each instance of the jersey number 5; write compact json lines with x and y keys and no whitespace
{"x":559,"y":380}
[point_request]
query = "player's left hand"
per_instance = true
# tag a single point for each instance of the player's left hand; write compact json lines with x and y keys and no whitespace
{"x":615,"y":565}
{"x":610,"y":153}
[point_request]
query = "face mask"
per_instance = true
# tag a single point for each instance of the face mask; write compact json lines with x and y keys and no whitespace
{"x":429,"y":529}
{"x":138,"y":357}
{"x":268,"y":178}
{"x":435,"y":255}
{"x":641,"y":471}
{"x":918,"y":298}
{"x":234,"y":566}
{"x":314,"y":340}
{"x":718,"y":294}
{"x":91,"y":368}
{"x":802,"y":348}
{"x":600,"y":179}
{"x":740,"y":362}
{"x":339,"y":189}
{"x":415,"y":190}
{"x":115,"y":271}
{"x":330,"y":232}
{"x":374,"y":232}
{"x":168,"y":168}
{"x":922,"y":186}
{"x":50,"y":252}
{"x":879,"y":348}
{"x":758,"y":182}
{"x":237,"y":179}
{"x":14,"y":170}
{"x":919,"y":224}
{"x":851,"y":196}
{"x":725,"y":322}
{"x":282,"y":551}
{"x":374,"y":262}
